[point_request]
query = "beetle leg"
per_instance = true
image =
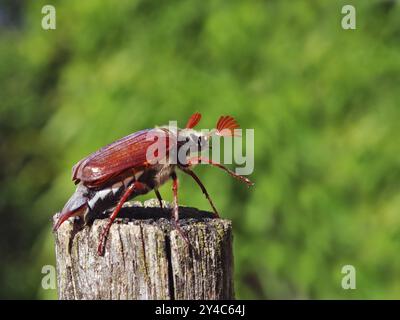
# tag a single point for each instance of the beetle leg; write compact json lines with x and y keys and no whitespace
{"x":202,"y":187}
{"x":135,"y":186}
{"x":176,"y":207}
{"x":197,"y":160}
{"x":159,"y":198}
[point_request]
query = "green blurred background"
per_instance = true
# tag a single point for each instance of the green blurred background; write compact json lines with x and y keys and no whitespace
{"x":324,"y":103}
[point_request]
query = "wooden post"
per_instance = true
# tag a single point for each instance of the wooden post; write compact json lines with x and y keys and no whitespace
{"x":146,"y":258}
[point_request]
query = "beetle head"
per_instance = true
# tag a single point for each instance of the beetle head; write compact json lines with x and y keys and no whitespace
{"x":200,"y":140}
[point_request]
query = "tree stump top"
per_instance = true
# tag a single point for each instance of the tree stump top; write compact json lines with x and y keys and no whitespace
{"x":145,"y":257}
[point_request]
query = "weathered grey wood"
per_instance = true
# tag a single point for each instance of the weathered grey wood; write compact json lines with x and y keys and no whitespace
{"x":146,"y":258}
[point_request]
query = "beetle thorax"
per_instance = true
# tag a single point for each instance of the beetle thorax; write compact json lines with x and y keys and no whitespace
{"x":195,"y":141}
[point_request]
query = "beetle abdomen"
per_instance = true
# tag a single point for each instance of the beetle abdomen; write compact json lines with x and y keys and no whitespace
{"x":100,"y":200}
{"x":90,"y":202}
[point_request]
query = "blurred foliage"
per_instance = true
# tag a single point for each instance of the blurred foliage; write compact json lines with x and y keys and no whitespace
{"x":324,"y":103}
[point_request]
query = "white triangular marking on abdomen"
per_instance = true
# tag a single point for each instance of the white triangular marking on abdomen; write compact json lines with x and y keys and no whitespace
{"x":127,"y":181}
{"x":138,"y":174}
{"x":99,"y":195}
{"x":116,"y":186}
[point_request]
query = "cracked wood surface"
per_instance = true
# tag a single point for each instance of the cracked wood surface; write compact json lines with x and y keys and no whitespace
{"x":145,"y":257}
